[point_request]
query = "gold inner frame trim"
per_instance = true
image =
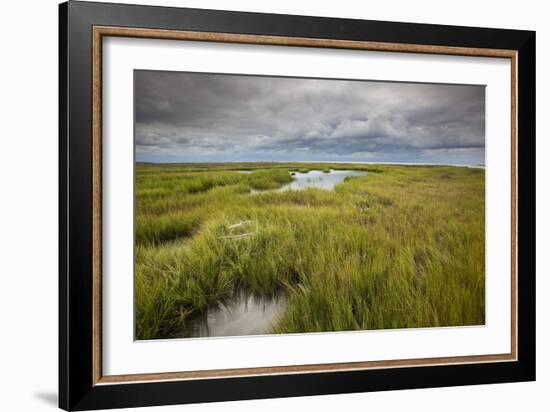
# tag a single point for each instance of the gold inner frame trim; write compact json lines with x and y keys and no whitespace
{"x":101,"y":31}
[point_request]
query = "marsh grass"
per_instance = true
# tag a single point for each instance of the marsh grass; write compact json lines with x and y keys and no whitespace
{"x":399,"y":247}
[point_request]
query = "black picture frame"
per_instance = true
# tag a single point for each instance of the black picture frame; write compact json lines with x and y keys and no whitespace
{"x":77,"y":390}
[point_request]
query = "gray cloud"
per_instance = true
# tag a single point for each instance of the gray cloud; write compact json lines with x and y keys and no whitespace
{"x":214,"y":117}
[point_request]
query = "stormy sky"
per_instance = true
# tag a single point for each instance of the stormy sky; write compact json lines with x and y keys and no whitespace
{"x":198,"y":117}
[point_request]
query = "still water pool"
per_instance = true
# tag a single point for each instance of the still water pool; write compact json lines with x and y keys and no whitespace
{"x":243,"y":314}
{"x":319,"y":179}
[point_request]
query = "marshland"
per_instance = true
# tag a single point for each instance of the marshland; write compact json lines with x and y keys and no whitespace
{"x":225,"y":249}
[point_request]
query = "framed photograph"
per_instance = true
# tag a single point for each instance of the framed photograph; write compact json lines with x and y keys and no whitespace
{"x":257,"y":205}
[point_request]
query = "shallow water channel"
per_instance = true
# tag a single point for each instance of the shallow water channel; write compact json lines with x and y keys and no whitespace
{"x":314,"y":178}
{"x":243,"y":314}
{"x":319,"y":179}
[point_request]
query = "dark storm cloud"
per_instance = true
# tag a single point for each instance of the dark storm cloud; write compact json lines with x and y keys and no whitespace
{"x":207,"y":117}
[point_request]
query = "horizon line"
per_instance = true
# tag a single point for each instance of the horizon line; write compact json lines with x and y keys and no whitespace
{"x":315,"y":161}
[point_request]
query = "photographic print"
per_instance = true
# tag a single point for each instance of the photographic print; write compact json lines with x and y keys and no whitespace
{"x":274,"y":205}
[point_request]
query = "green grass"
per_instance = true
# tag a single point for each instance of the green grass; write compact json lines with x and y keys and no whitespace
{"x":400,"y":247}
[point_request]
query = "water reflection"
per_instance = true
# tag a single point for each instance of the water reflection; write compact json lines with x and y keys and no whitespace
{"x":243,"y":314}
{"x":319,"y":179}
